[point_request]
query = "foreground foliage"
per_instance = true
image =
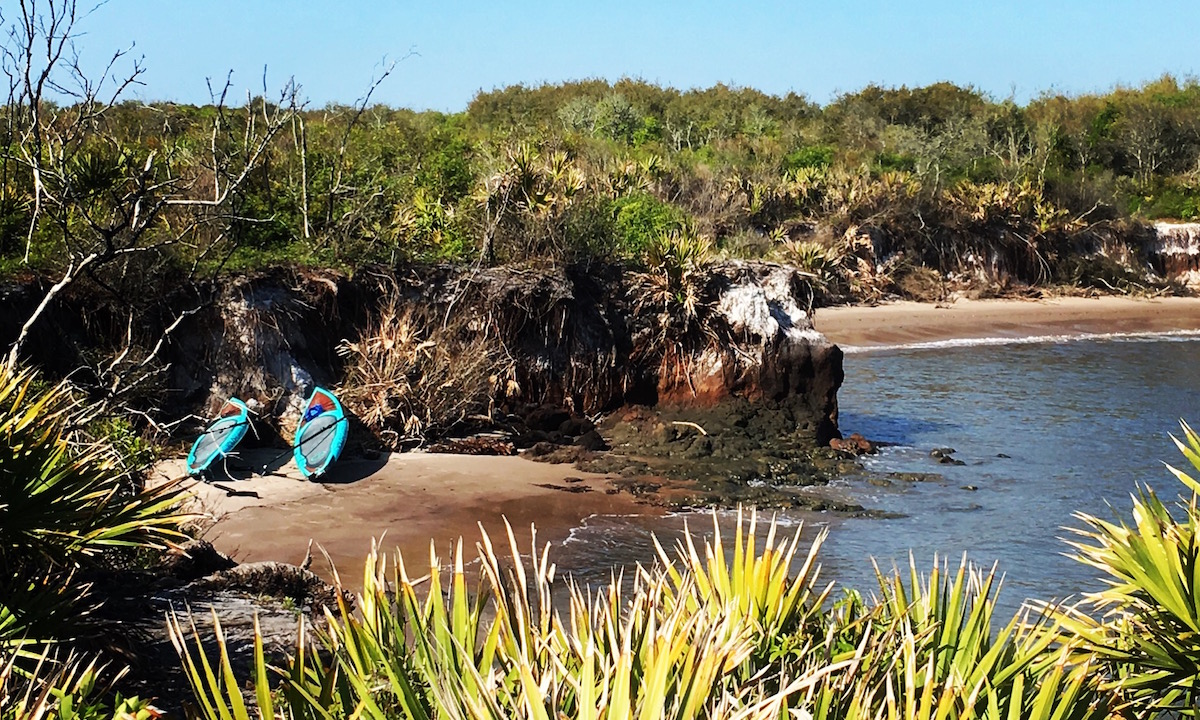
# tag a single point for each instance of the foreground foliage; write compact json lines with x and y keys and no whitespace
{"x":714,"y":630}
{"x":1148,"y":639}
{"x":711,"y":631}
{"x":67,"y":508}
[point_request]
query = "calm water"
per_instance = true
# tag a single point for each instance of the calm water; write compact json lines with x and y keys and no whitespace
{"x":1082,"y":422}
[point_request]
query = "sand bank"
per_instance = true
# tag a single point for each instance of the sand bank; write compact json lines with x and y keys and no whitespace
{"x":905,"y":323}
{"x":412,"y":497}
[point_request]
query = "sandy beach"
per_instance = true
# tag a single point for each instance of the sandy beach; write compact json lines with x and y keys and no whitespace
{"x":412,"y":498}
{"x":903,"y":323}
{"x":406,"y":499}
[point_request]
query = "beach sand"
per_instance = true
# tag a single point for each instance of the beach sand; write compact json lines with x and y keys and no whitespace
{"x":416,"y":497}
{"x":412,"y":497}
{"x":905,"y":323}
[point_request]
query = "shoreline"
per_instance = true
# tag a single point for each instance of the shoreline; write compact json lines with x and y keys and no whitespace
{"x":407,"y":500}
{"x":403,"y":500}
{"x":908,"y":324}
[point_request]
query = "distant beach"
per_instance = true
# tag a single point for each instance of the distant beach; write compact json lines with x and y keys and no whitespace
{"x":909,"y":323}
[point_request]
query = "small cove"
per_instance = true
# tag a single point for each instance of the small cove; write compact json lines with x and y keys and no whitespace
{"x":1045,"y":429}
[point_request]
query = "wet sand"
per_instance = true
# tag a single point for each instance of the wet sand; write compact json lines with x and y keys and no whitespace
{"x":904,"y":323}
{"x":406,"y":499}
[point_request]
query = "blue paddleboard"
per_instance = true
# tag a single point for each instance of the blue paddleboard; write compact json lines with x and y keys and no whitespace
{"x":321,"y":434}
{"x":220,"y":437}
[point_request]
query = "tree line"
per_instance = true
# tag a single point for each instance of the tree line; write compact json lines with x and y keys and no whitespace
{"x":586,"y":170}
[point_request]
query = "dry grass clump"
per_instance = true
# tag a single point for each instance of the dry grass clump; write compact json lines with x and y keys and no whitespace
{"x":843,"y":268}
{"x":412,"y":374}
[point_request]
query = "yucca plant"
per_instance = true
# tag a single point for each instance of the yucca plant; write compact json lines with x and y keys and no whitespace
{"x":71,"y":689}
{"x":761,"y":589}
{"x":711,"y":632}
{"x":1145,"y":628}
{"x":928,"y":648}
{"x":62,"y":504}
{"x":505,"y":650}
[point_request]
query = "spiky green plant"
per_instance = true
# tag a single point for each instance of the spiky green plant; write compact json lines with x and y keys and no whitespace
{"x":764,"y":590}
{"x":668,"y":649}
{"x":71,"y":689}
{"x":63,"y":508}
{"x":677,"y":253}
{"x":1145,"y":631}
{"x":62,"y":505}
{"x":928,"y":649}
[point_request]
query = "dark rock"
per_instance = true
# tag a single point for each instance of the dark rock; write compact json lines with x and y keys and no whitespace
{"x":576,"y":426}
{"x":854,"y":445}
{"x":663,"y":434}
{"x":559,"y":454}
{"x":547,"y":418}
{"x":540,"y":449}
{"x":568,"y":488}
{"x":592,"y":440}
{"x":480,"y":445}
{"x":192,"y":560}
{"x":275,"y":579}
{"x":700,"y":447}
{"x":1002,"y":455}
{"x":916,"y":477}
{"x":947,"y":460}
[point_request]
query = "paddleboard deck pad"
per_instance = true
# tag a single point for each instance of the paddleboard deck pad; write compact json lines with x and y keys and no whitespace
{"x":220,"y":437}
{"x":321,"y":434}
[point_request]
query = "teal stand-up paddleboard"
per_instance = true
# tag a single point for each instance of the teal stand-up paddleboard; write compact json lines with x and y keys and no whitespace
{"x":321,"y":434}
{"x":220,"y":437}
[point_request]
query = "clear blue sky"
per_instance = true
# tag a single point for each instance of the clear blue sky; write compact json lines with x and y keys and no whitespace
{"x":820,"y":49}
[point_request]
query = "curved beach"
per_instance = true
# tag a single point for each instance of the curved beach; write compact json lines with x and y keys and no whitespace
{"x":412,"y":499}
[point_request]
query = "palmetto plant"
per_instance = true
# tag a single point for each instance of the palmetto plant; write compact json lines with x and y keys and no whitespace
{"x":62,"y":508}
{"x":676,"y":646}
{"x":62,"y":504}
{"x":72,"y":689}
{"x":710,"y":631}
{"x":928,"y":648}
{"x":1148,"y":637}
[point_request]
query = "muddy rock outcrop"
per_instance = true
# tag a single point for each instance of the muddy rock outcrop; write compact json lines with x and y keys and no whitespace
{"x":1174,"y":251}
{"x":763,"y":348}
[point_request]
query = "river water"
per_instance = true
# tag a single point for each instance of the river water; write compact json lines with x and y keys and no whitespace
{"x":1046,"y":428}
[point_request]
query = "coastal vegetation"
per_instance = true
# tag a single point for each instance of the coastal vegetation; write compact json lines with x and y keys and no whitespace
{"x":593,"y":170}
{"x":717,"y":627}
{"x":137,"y":211}
{"x":881,"y":191}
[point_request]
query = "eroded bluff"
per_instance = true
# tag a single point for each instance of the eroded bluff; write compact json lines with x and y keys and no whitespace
{"x":422,"y":353}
